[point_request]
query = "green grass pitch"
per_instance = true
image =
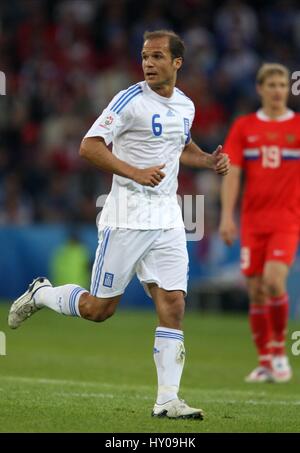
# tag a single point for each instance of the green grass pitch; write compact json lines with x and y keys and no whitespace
{"x":70,"y":375}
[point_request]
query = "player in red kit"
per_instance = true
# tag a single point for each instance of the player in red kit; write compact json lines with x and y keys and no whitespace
{"x":265,"y":147}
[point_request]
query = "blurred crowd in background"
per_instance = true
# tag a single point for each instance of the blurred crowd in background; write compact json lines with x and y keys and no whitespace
{"x":65,"y":60}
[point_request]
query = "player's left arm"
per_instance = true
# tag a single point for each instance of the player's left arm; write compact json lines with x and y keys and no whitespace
{"x":193,"y":156}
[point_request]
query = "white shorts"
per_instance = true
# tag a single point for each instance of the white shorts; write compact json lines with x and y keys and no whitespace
{"x":156,"y":256}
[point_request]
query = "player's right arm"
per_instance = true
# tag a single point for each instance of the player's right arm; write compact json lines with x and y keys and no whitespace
{"x":231,"y":184}
{"x":229,"y":194}
{"x":115,"y":120}
{"x":97,"y":153}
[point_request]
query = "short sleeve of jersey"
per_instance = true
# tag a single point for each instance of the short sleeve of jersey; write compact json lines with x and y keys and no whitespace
{"x":188,"y":125}
{"x":111,"y":122}
{"x":233,"y":145}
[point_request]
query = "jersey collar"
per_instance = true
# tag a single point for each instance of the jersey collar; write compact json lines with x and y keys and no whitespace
{"x":154,"y":95}
{"x":289,"y":114}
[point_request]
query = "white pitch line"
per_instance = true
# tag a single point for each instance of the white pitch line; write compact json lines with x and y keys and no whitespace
{"x":85,"y":395}
{"x":236,"y":392}
{"x":30,"y":380}
{"x":206,"y":392}
{"x":274,"y":403}
{"x":99,"y":395}
{"x":254,"y":402}
{"x":205,"y":401}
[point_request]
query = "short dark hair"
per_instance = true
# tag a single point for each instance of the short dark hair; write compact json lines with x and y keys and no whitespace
{"x":176,"y":44}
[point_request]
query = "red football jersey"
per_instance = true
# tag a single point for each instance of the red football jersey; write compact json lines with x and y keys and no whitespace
{"x":268,"y":151}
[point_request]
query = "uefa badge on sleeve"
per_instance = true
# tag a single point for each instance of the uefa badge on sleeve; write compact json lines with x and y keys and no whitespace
{"x":107,"y":121}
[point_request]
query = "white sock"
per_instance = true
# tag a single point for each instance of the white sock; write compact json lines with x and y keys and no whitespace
{"x":62,"y":299}
{"x":169,"y":355}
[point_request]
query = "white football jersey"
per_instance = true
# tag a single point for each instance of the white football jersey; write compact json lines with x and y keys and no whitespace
{"x":146,"y":129}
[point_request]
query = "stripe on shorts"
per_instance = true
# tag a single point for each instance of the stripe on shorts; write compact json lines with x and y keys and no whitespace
{"x":98,"y":260}
{"x":101,"y":261}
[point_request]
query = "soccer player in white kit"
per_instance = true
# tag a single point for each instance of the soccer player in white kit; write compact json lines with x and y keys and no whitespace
{"x":140,"y":228}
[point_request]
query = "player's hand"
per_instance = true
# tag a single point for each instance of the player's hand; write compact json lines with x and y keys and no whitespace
{"x":151,"y":176}
{"x":228,"y":231}
{"x":221,"y":162}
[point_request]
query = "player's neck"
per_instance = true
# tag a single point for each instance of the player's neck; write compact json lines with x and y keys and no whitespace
{"x":274,"y":113}
{"x":164,"y":90}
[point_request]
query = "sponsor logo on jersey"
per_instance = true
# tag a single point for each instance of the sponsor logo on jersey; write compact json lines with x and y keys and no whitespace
{"x":170,"y":113}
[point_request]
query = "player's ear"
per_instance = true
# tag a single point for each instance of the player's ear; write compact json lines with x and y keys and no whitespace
{"x":258,"y":89}
{"x":177,"y":62}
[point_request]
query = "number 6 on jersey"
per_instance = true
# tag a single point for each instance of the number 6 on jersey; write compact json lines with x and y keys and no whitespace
{"x":156,"y":127}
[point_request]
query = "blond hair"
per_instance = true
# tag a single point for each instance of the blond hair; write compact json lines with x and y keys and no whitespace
{"x":269,"y":69}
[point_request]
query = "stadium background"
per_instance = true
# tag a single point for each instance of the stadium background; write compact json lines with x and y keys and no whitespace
{"x":64,"y":61}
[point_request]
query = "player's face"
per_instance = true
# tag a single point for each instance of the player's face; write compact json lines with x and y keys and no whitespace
{"x":274,"y":91}
{"x":158,"y":66}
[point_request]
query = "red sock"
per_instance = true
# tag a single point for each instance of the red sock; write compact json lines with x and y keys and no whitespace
{"x":261,"y":333}
{"x":279,"y":313}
